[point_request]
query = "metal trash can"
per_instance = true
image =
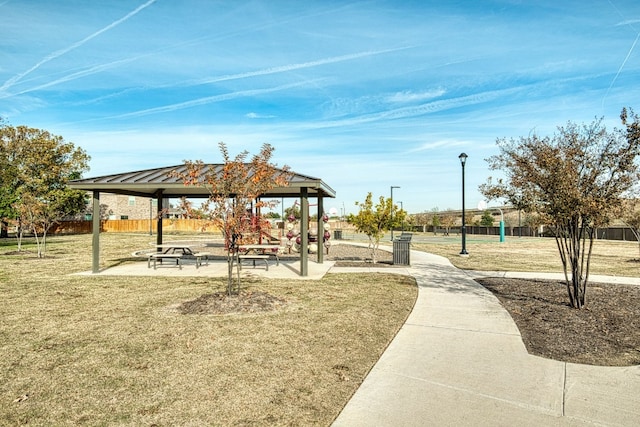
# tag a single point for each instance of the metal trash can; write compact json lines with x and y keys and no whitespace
{"x":337,"y":234}
{"x":402,"y":249}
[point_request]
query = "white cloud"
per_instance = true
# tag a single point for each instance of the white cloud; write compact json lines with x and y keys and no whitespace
{"x":259,"y":116}
{"x":409,"y":96}
{"x":446,"y":143}
{"x":628,"y":22}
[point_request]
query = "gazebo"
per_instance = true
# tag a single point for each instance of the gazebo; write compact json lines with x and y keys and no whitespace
{"x":159,"y":184}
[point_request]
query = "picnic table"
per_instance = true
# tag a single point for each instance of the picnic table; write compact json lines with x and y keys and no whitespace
{"x":172,"y":248}
{"x":257,"y":252}
{"x":177,"y":251}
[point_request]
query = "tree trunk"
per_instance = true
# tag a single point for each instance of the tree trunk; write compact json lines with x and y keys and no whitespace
{"x":571,"y":239}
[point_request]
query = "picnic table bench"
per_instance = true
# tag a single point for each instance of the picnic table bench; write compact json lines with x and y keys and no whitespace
{"x":199,"y":256}
{"x":260,"y":252}
{"x":161,"y":256}
{"x":254,"y":258}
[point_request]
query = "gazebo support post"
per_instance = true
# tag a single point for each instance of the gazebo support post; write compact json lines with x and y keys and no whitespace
{"x":304,"y":232}
{"x":159,"y":219}
{"x":95,"y":248}
{"x":320,"y":231}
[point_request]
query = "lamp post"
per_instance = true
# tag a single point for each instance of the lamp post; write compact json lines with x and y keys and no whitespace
{"x":392,"y":187}
{"x":463,"y":160}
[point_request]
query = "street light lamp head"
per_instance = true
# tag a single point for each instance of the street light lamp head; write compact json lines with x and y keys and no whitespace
{"x":463,"y":158}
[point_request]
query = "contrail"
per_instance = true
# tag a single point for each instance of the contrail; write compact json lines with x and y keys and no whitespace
{"x":620,"y":69}
{"x":73,"y":76}
{"x":630,"y":24}
{"x":61,"y":52}
{"x":298,"y":66}
{"x":207,"y":100}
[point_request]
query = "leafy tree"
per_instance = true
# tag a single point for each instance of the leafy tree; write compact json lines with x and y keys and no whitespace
{"x":511,"y":220}
{"x":292,"y":212}
{"x":7,"y":187}
{"x":374,"y":221}
{"x":233,"y":189}
{"x":534,"y":221}
{"x":272,"y":215}
{"x":487,"y":219}
{"x":447,"y":220}
{"x":436,"y":220}
{"x":422,"y":219}
{"x":575,"y":180}
{"x":36,"y":167}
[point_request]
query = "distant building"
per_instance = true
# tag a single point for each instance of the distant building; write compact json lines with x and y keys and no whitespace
{"x":119,"y":206}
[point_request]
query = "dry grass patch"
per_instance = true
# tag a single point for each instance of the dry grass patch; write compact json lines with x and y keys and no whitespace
{"x":114,"y":351}
{"x":610,"y":257}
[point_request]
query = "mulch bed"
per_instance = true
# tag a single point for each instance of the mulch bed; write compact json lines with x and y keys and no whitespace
{"x":606,"y":332}
{"x":221,"y":303}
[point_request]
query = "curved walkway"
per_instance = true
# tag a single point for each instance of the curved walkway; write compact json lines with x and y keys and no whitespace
{"x":459,"y":360}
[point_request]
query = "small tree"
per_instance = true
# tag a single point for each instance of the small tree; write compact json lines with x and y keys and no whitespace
{"x":575,"y":180}
{"x":374,"y":221}
{"x":292,"y":211}
{"x":421,"y":219}
{"x":487,"y":219}
{"x":39,"y":214}
{"x":436,"y":220}
{"x":447,"y":220}
{"x":234,"y":188}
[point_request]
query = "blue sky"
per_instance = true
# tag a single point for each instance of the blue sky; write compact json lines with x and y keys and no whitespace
{"x":364,"y":95}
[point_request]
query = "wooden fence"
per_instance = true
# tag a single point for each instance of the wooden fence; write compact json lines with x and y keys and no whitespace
{"x":168,"y":225}
{"x":135,"y":226}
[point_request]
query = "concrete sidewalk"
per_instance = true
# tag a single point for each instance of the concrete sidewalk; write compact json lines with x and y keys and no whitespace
{"x":460,"y":360}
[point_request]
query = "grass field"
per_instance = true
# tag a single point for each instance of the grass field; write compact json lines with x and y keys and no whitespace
{"x":96,"y":350}
{"x":99,"y":350}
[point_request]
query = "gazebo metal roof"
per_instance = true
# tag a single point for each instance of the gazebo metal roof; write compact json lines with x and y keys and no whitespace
{"x":147,"y":183}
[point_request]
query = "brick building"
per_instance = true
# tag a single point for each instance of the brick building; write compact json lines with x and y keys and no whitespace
{"x":119,"y":206}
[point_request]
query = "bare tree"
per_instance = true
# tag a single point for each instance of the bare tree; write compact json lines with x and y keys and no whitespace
{"x":575,"y":180}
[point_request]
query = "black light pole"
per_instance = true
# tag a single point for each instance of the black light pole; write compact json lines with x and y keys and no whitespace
{"x":463,"y":160}
{"x":392,"y":187}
